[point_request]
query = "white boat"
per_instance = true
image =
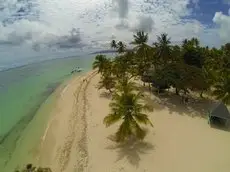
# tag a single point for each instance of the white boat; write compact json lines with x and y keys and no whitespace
{"x":78,"y":69}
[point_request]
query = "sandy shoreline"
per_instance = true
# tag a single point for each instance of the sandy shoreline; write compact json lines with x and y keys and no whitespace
{"x":65,"y":137}
{"x":181,"y":140}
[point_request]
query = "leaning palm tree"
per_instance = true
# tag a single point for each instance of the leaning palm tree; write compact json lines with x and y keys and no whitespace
{"x":222,"y":90}
{"x":101,"y":63}
{"x":126,"y":107}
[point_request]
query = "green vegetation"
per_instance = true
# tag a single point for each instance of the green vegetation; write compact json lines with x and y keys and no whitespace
{"x":31,"y":168}
{"x":125,"y":106}
{"x":187,"y":68}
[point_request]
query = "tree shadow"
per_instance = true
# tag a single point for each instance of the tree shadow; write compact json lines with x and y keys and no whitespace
{"x":131,"y":150}
{"x":106,"y":95}
{"x":225,"y":128}
{"x":195,"y":107}
{"x":143,"y":88}
{"x":152,"y":104}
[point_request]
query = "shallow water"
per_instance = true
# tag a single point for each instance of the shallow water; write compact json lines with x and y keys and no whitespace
{"x":22,"y":91}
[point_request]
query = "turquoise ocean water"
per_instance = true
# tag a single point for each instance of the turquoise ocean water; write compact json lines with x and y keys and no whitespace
{"x":22,"y":92}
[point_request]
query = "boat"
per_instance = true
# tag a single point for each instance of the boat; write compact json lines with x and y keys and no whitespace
{"x":78,"y":69}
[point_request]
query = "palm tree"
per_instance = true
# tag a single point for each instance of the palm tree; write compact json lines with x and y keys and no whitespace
{"x":184,"y":42}
{"x":124,"y":85}
{"x":195,"y":42}
{"x":163,"y":48}
{"x":176,"y":53}
{"x":113,"y":44}
{"x":121,"y":47}
{"x":125,"y":106}
{"x":142,"y":57}
{"x":140,"y":38}
{"x":101,"y":63}
{"x":107,"y":81}
{"x":193,"y":54}
{"x":222,"y":90}
{"x":123,"y":65}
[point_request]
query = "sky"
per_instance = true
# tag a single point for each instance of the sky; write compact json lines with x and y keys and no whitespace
{"x":40,"y":29}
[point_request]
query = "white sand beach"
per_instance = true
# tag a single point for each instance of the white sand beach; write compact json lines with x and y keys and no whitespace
{"x":181,"y":139}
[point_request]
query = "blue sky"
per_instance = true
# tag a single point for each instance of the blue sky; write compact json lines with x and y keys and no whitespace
{"x":205,"y":10}
{"x":39,"y":29}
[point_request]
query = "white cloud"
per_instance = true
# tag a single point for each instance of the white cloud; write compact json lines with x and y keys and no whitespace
{"x":122,"y":7}
{"x":123,"y":24}
{"x":47,"y":24}
{"x":223,"y":21}
{"x":144,"y":23}
{"x":196,"y":3}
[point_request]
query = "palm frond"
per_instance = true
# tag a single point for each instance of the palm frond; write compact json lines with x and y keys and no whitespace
{"x":139,"y":132}
{"x":143,"y":119}
{"x":123,"y":132}
{"x":111,"y":119}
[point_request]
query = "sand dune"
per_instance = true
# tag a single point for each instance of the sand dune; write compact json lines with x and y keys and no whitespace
{"x":181,"y":139}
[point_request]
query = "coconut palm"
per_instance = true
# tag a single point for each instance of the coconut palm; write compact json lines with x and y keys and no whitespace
{"x":140,"y":38}
{"x":163,"y":48}
{"x":193,"y":54}
{"x":176,"y":53}
{"x":195,"y":42}
{"x":184,"y":42}
{"x":107,"y":81}
{"x":143,"y":51}
{"x":121,"y":47}
{"x":222,"y":90}
{"x":124,"y":85}
{"x":227,"y":47}
{"x":124,"y":65}
{"x":126,"y":107}
{"x":101,"y":63}
{"x":113,"y":44}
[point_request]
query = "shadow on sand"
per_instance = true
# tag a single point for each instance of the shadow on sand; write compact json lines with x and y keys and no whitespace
{"x":196,"y":107}
{"x":131,"y":150}
{"x":221,"y":127}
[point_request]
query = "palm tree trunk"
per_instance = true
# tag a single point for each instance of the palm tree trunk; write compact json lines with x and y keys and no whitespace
{"x":177,"y":91}
{"x":201,"y":94}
